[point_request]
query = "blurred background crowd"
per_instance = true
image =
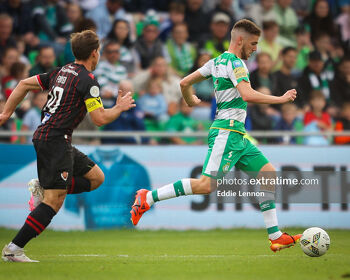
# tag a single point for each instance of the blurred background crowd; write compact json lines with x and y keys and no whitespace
{"x":148,"y":46}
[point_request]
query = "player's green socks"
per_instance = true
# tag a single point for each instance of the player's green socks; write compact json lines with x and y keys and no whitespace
{"x":182,"y":187}
{"x":268,"y":209}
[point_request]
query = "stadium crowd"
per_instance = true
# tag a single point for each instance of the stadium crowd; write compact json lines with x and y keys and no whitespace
{"x":148,"y":46}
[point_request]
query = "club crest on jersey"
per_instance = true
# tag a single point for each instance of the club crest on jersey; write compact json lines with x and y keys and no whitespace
{"x":94,"y":91}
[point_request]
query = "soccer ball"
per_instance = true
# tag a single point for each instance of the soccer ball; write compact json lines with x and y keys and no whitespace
{"x":315,"y":242}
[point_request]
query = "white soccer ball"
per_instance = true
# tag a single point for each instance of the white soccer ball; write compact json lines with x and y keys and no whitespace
{"x":315,"y":242}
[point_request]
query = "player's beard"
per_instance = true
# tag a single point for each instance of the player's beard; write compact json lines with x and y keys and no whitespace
{"x":244,"y":54}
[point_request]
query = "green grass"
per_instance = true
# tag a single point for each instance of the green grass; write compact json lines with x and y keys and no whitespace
{"x":216,"y":254}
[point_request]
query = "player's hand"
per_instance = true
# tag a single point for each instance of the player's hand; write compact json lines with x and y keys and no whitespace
{"x":194,"y":101}
{"x":290,"y":95}
{"x":3,"y":119}
{"x":125,"y":101}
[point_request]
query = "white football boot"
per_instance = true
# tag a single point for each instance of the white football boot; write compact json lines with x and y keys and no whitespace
{"x":37,"y":194}
{"x":14,"y":255}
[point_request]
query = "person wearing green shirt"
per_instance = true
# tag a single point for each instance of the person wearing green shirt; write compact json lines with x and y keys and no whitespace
{"x":183,"y":122}
{"x":227,"y":145}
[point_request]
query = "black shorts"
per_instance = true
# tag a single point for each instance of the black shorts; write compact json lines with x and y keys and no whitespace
{"x":58,"y":161}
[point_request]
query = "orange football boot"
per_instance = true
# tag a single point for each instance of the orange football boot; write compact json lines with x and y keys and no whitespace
{"x":140,"y":206}
{"x":285,"y":241}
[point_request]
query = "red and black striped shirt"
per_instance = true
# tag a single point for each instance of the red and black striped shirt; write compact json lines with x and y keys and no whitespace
{"x":69,"y":86}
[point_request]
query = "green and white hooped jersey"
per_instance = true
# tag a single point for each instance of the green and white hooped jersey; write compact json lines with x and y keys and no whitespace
{"x":227,"y":70}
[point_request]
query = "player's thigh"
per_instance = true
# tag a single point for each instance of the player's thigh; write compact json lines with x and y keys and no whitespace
{"x":84,"y":166}
{"x":225,"y":148}
{"x":54,"y":163}
{"x":252,"y":160}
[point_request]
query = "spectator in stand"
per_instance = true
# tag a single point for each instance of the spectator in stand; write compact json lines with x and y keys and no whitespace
{"x":105,"y":14}
{"x":284,"y":79}
{"x":262,"y":76}
{"x":6,"y":40}
{"x":20,"y":12}
{"x":323,"y":43}
{"x":287,"y":21}
{"x":148,"y":46}
{"x":261,"y":11}
{"x":74,"y":13}
{"x":132,"y":120}
{"x":218,"y":41}
{"x":226,"y":7}
{"x":263,"y":116}
{"x":343,"y":22}
{"x":84,"y":24}
{"x":170,"y":83}
{"x":302,"y":8}
{"x":343,"y":123}
{"x":120,"y":32}
{"x":110,"y":72}
{"x":32,"y":118}
{"x":320,"y":20}
{"x":9,"y":56}
{"x":340,"y":86}
{"x":181,"y":53}
{"x":6,"y":126}
{"x":18,"y":72}
{"x":317,"y":120}
{"x":289,"y":121}
{"x":304,"y":47}
{"x":45,"y":61}
{"x":183,"y":122}
{"x":51,"y":24}
{"x":197,"y":20}
{"x":152,"y":103}
{"x":204,"y":89}
{"x":176,"y":15}
{"x":269,"y":43}
{"x":313,"y":78}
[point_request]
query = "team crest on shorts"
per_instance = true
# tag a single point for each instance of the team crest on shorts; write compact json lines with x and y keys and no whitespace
{"x":64,"y":175}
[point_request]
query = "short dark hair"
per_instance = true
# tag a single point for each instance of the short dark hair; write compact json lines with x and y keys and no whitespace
{"x":288,"y":49}
{"x":261,"y":54}
{"x":84,"y":43}
{"x":269,"y":24}
{"x":316,"y":94}
{"x":248,"y":26}
{"x":110,"y":43}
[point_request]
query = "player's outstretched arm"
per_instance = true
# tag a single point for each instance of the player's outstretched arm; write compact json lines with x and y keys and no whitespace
{"x":250,"y":95}
{"x":17,"y":96}
{"x":187,"y":90}
{"x":102,"y":116}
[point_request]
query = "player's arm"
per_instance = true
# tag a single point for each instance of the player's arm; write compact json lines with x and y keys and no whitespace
{"x":250,"y":95}
{"x":101,"y":116}
{"x":17,"y":96}
{"x":187,"y":89}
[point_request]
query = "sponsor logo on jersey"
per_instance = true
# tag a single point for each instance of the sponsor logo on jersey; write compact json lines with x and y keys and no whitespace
{"x":237,"y":63}
{"x":240,"y":72}
{"x":47,"y":116}
{"x":95,"y":91}
{"x":64,"y":69}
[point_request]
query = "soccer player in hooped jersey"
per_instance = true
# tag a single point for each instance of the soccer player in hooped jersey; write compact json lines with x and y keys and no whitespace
{"x":73,"y":91}
{"x":227,"y":145}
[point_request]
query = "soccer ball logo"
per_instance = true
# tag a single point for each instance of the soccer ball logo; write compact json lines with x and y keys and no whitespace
{"x":315,"y":242}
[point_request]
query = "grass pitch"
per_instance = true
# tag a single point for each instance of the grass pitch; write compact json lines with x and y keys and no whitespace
{"x":215,"y":254}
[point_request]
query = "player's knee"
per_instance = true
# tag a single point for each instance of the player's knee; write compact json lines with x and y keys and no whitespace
{"x":55,"y":200}
{"x":98,"y":181}
{"x":203,"y":185}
